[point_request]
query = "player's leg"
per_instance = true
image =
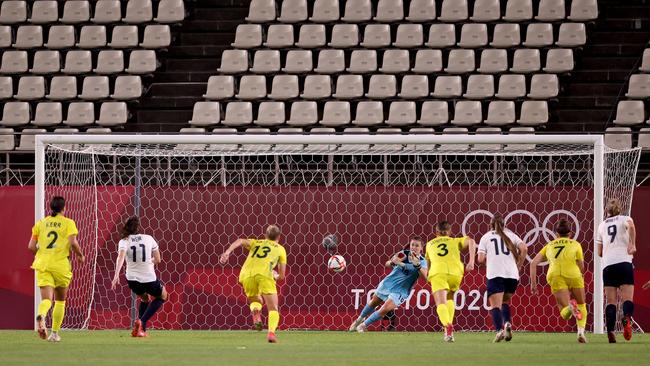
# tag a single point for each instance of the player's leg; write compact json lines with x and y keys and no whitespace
{"x":159,"y":293}
{"x":58,"y":313}
{"x":138,"y":290}
{"x":563,"y":296}
{"x":271,"y":301}
{"x":391,"y":303}
{"x":505,"y":314}
{"x":496,"y":300}
{"x":627,"y":297}
{"x":252,"y":291}
{"x":368,"y":309}
{"x":611,"y":293}
{"x":47,"y":295}
{"x":579,"y":295}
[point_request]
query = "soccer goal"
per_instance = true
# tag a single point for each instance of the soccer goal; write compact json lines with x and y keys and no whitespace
{"x":197,"y":193}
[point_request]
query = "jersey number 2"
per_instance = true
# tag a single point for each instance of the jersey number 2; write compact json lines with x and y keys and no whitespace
{"x":54,"y":236}
{"x":144,"y":255}
{"x":264,"y":252}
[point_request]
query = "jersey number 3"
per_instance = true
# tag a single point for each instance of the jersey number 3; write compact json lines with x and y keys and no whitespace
{"x":443,"y":249}
{"x":264,"y":252}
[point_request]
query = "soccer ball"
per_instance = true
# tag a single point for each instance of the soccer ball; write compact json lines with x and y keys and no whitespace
{"x":336,"y":263}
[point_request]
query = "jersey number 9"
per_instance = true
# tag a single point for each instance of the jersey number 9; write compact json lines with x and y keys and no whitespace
{"x":611,"y":231}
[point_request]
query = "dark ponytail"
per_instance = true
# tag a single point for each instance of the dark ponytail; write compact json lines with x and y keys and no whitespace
{"x":131,"y":227}
{"x":563,"y":228}
{"x":57,"y":205}
{"x":498,"y":225}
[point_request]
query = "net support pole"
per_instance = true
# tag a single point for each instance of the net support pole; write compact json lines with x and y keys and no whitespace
{"x":599,"y":198}
{"x":39,"y":205}
{"x":136,"y":211}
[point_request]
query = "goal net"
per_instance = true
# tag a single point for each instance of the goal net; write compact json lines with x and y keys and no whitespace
{"x":374,"y":192}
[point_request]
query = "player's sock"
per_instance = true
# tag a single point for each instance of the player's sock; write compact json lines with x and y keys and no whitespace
{"x":451,"y":309}
{"x":565,"y":313}
{"x":256,"y":306}
{"x":505,"y":312}
{"x":142,"y":308}
{"x":57,"y":315}
{"x":274,"y":320}
{"x":582,"y":322}
{"x":628,"y":308}
{"x":443,"y":314}
{"x":610,"y":317}
{"x":44,"y":306}
{"x":367,"y":310}
{"x":153,"y":307}
{"x":373,"y":318}
{"x":497,"y":318}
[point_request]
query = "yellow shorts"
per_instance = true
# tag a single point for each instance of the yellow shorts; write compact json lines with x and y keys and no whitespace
{"x":445,"y":281}
{"x":558,"y":283}
{"x":53,"y":278}
{"x":258,"y":285}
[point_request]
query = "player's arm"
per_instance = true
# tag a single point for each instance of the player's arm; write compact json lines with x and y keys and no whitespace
{"x":33,"y":245}
{"x":156,"y":256}
{"x":74,"y":245}
{"x":223,"y":259}
{"x":533,"y":270}
{"x":631,"y":230}
{"x":395,"y":261}
{"x":119,"y":262}
{"x":523,"y":252}
{"x":482,"y":251}
{"x":282,"y":271}
{"x":470,"y":244}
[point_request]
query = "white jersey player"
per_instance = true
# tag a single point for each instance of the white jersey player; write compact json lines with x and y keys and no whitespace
{"x":616,"y":239}
{"x":141,"y":253}
{"x":504,"y":252}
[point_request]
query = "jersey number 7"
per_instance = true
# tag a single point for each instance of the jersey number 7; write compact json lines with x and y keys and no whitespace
{"x":559,"y":250}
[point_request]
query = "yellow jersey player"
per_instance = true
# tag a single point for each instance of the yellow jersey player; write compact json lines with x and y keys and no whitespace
{"x":565,"y":275}
{"x":257,"y":275}
{"x":52,"y":239}
{"x":446,"y":272}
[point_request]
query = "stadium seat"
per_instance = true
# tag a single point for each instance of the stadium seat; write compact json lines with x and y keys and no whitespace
{"x":170,"y":11}
{"x":7,"y":139}
{"x":572,"y":35}
{"x":15,"y":114}
{"x":493,"y":61}
{"x":248,"y":36}
{"x":473,"y":35}
{"x":220,"y":87}
{"x":448,"y":87}
{"x":77,"y":62}
{"x":29,"y":36}
{"x":30,"y":88}
{"x":441,"y":36}
{"x":95,"y":88}
{"x":363,"y":61}
{"x":142,"y":62}
{"x":511,"y":86}
{"x":261,"y":11}
{"x":233,"y":62}
{"x":303,"y":113}
{"x":434,"y":113}
{"x":317,"y":87}
{"x":389,"y":11}
{"x":539,"y":35}
{"x":427,"y":61}
{"x":344,"y":36}
{"x":382,"y":87}
{"x":330,"y":61}
{"x":48,"y":114}
{"x":80,"y":114}
{"x":376,"y":36}
{"x":12,"y":12}
{"x":75,"y":12}
{"x":92,"y":36}
{"x":6,"y":87}
{"x":414,"y":86}
{"x":583,"y":10}
{"x":487,"y":131}
{"x":191,"y":147}
{"x":98,"y":130}
{"x":107,"y":11}
{"x":467,"y":113}
{"x":311,"y":36}
{"x":550,"y":10}
{"x":520,"y":131}
{"x":252,"y":87}
{"x":336,"y":114}
{"x":205,"y":114}
{"x":113,"y":113}
{"x":402,"y":113}
{"x":395,"y":61}
{"x":138,"y":11}
{"x":645,"y":61}
{"x":266,"y":62}
{"x":630,"y":112}
{"x":127,"y":87}
{"x":5,"y":36}
{"x":325,"y":11}
{"x":60,"y":37}
{"x":526,"y":60}
{"x":290,"y":131}
{"x":293,"y":11}
{"x":618,"y":137}
{"x":28,"y":138}
{"x":238,"y":114}
{"x":156,"y":36}
{"x":46,"y":62}
{"x":284,"y":87}
{"x":644,"y":139}
{"x":321,"y":131}
{"x":460,"y":61}
{"x":256,"y":147}
{"x":409,"y":36}
{"x":44,"y":12}
{"x":357,"y":11}
{"x":533,"y":113}
{"x":544,"y":86}
{"x":453,"y":11}
{"x":639,"y":86}
{"x":506,"y":35}
{"x":559,"y":60}
{"x":454,"y":131}
{"x":486,"y":11}
{"x":518,"y":10}
{"x":388,"y":131}
{"x":270,"y":114}
{"x":223,"y":147}
{"x":109,"y":62}
{"x":479,"y":87}
{"x":124,"y":36}
{"x":500,"y":112}
{"x":298,"y":61}
{"x":62,"y":88}
{"x":279,"y":36}
{"x":349,"y":87}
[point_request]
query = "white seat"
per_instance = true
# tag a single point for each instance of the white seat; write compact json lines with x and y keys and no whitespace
{"x":303,"y":113}
{"x":454,"y":131}
{"x":7,"y":139}
{"x":539,"y":35}
{"x":252,"y":87}
{"x":434,"y":113}
{"x":29,"y":36}
{"x":644,"y":139}
{"x":506,"y":35}
{"x":266,"y":61}
{"x":238,"y":114}
{"x":618,"y":137}
{"x":344,"y":36}
{"x":46,"y":62}
{"x":279,"y":36}
{"x":284,"y":87}
{"x":257,"y":147}
{"x":233,"y":62}
{"x":62,"y":88}
{"x":98,"y":130}
{"x":95,"y":88}
{"x":336,"y":114}
{"x":395,"y":61}
{"x":12,"y":12}
{"x":467,"y":113}
{"x":427,"y":61}
{"x":518,"y":10}
{"x":349,"y":87}
{"x":583,"y":10}
{"x":138,"y":11}
{"x":6,"y":87}
{"x":48,"y":114}
{"x":317,"y":87}
{"x":402,"y":113}
{"x":630,"y":112}
{"x":31,"y":88}
{"x":311,"y":36}
{"x":559,"y":60}
{"x":645,"y":62}
{"x":107,"y":11}
{"x":127,"y":87}
{"x":293,"y":11}
{"x":142,"y":62}
{"x":550,"y":10}
{"x":473,"y":35}
{"x":109,"y":62}
{"x":156,"y":36}
{"x":60,"y":36}
{"x":80,"y":114}
{"x":369,"y":113}
{"x":248,"y":36}
{"x":223,"y":147}
{"x":44,"y":12}
{"x":479,"y":87}
{"x":363,"y":61}
{"x":441,"y":36}
{"x":290,"y":131}
{"x":325,"y":11}
{"x":77,"y":62}
{"x":376,"y":36}
{"x":511,"y":86}
{"x":460,"y":61}
{"x":389,"y":11}
{"x":493,"y":61}
{"x":414,"y":86}
{"x":113,"y":113}
{"x":520,"y":131}
{"x":544,"y":86}
{"x":355,"y":147}
{"x":500,"y":112}
{"x":92,"y":36}
{"x":124,"y":36}
{"x":205,"y":114}
{"x":448,"y":87}
{"x":639,"y":86}
{"x":382,"y":86}
{"x":75,"y":12}
{"x":270,"y":114}
{"x":357,"y":11}
{"x":321,"y":131}
{"x":5,"y":36}
{"x":28,"y":138}
{"x":422,"y":11}
{"x":487,"y":131}
{"x":453,"y":11}
{"x":14,"y":62}
{"x":298,"y":61}
{"x":15,"y":114}
{"x":330,"y":62}
{"x":220,"y":87}
{"x":421,"y":131}
{"x":572,"y":35}
{"x":486,"y":11}
{"x":388,"y":131}
{"x":533,"y":113}
{"x":261,"y":11}
{"x":409,"y":36}
{"x":526,"y":60}
{"x":170,"y":11}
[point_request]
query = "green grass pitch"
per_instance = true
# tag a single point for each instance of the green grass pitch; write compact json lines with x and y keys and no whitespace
{"x":316,"y":348}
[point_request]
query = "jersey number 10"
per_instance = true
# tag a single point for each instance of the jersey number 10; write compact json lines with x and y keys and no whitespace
{"x":504,"y":247}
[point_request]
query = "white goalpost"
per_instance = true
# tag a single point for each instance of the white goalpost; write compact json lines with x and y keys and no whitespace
{"x":197,"y":193}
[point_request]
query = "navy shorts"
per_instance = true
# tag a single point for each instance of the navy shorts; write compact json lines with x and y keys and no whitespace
{"x":499,"y":284}
{"x":154,"y":288}
{"x":618,"y":274}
